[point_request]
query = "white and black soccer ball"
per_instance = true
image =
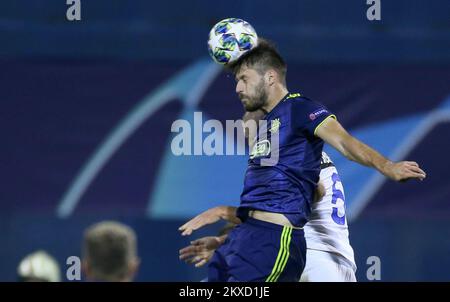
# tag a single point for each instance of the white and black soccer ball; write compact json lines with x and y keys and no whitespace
{"x":229,"y":39}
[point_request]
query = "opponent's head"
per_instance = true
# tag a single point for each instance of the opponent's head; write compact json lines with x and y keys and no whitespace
{"x":258,"y":72}
{"x":109,"y":252}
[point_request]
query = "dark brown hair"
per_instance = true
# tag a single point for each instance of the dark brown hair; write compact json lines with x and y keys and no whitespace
{"x":261,"y":58}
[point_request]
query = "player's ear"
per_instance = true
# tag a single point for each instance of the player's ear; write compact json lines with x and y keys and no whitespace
{"x":270,"y":77}
{"x":133,"y":268}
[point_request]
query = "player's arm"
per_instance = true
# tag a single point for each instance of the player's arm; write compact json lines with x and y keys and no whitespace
{"x":334,"y":134}
{"x":208,"y":217}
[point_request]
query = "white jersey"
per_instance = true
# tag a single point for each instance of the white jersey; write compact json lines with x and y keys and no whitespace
{"x":327,"y":228}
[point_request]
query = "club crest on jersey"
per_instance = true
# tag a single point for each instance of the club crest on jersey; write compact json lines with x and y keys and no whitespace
{"x":261,"y":148}
{"x":275,"y":125}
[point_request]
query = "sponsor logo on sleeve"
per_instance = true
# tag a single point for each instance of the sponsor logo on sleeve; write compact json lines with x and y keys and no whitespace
{"x":317,"y":113}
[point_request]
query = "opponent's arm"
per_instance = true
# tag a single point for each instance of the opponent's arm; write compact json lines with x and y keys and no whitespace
{"x":334,"y":134}
{"x":208,"y":217}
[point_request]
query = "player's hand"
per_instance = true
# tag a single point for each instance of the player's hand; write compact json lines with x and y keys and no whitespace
{"x":404,"y":170}
{"x":200,"y":251}
{"x":208,"y":217}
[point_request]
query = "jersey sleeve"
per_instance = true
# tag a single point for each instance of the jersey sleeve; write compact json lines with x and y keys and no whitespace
{"x":307,"y":116}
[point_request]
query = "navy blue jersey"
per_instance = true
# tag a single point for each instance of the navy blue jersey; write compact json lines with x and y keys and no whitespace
{"x":283,"y":179}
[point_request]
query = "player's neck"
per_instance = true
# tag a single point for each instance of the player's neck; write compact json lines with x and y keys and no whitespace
{"x":278,"y":93}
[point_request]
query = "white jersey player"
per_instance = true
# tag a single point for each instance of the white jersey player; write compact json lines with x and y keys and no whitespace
{"x":329,"y":256}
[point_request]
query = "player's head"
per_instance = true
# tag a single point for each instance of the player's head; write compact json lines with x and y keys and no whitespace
{"x":110,"y":252}
{"x":257,"y":72}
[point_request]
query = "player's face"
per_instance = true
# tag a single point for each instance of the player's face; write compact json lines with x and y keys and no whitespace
{"x":251,"y":89}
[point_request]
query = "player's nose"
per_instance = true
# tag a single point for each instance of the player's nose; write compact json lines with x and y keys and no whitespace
{"x":239,"y":88}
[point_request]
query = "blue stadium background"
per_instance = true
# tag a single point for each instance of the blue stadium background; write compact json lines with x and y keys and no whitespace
{"x":86,"y":110}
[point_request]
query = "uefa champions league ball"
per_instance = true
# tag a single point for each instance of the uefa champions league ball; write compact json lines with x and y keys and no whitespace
{"x":230,"y":39}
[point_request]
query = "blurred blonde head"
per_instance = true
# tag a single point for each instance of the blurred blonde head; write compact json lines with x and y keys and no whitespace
{"x":110,"y":252}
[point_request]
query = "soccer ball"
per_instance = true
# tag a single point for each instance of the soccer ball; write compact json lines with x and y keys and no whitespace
{"x":231,"y":38}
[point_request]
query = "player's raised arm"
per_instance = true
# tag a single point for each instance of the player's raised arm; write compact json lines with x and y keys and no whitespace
{"x":208,"y":217}
{"x":334,"y":134}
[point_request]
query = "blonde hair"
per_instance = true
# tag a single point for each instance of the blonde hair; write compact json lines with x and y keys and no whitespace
{"x":109,"y":249}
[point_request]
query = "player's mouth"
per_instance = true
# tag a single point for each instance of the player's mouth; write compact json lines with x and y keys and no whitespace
{"x":244,"y":99}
